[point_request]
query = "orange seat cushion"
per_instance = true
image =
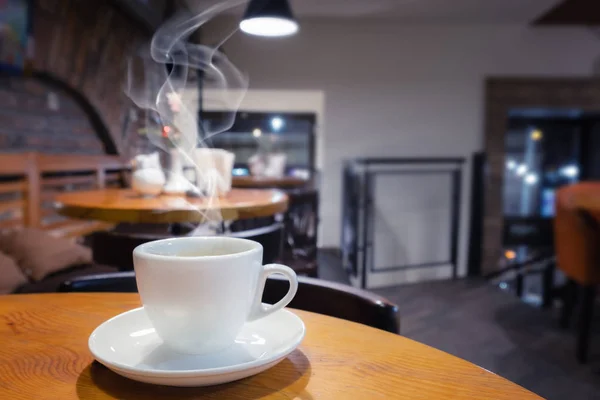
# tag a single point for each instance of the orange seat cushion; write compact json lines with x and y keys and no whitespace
{"x":577,"y":243}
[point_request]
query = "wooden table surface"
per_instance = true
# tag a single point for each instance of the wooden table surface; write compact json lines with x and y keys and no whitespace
{"x":124,"y":205}
{"x":266,"y":182}
{"x":44,"y":355}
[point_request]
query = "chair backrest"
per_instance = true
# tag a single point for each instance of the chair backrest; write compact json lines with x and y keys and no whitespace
{"x":336,"y":300}
{"x":30,"y":181}
{"x":17,"y":180}
{"x":576,"y":235}
{"x":314,"y":295}
{"x":71,"y":173}
{"x":116,"y":248}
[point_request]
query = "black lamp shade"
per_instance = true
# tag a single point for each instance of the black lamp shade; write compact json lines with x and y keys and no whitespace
{"x":269,"y":8}
{"x":269,"y":18}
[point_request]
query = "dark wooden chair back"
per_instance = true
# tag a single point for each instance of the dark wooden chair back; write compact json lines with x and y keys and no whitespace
{"x":314,"y":295}
{"x":336,"y":300}
{"x":116,"y":248}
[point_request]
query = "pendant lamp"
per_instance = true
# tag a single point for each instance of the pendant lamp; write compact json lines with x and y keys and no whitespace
{"x":271,"y":18}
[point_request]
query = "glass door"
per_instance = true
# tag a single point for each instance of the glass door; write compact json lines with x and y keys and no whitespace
{"x":542,"y":153}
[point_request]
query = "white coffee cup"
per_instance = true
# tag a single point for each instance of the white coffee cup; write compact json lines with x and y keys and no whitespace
{"x":199,"y":291}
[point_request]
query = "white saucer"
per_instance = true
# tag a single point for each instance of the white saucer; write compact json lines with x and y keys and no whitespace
{"x":128,"y":345}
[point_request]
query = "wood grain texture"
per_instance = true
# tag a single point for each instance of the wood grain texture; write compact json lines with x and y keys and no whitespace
{"x":45,"y":356}
{"x":11,"y":222}
{"x":589,"y":201}
{"x":265,"y":182}
{"x":16,"y":164}
{"x":14,"y":205}
{"x":74,"y":162}
{"x":32,"y":177}
{"x":12,"y":187}
{"x":124,"y":205}
{"x":61,"y":181}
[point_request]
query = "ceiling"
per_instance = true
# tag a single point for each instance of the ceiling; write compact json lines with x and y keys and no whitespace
{"x":416,"y":11}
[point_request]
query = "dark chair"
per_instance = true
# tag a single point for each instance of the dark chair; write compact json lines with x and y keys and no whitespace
{"x":300,"y":229}
{"x":336,"y":300}
{"x":314,"y":295}
{"x":301,"y":225}
{"x":116,"y":247}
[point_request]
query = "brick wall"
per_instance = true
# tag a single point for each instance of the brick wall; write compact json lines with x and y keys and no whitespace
{"x":84,"y":44}
{"x":27,"y":122}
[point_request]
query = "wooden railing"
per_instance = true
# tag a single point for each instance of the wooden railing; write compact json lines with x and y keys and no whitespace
{"x":30,"y":181}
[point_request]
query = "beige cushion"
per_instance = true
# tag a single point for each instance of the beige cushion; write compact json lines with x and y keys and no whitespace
{"x":38,"y":254}
{"x":11,"y":276}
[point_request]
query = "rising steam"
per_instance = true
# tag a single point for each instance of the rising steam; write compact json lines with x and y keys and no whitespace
{"x":159,"y":74}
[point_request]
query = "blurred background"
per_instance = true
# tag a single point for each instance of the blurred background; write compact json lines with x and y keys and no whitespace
{"x":443,"y":154}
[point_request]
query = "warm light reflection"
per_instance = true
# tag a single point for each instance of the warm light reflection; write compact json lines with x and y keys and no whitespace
{"x":536,"y":134}
{"x":510,"y":254}
{"x":257,"y":133}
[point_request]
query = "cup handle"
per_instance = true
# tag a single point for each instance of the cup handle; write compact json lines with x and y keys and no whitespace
{"x":260,"y":310}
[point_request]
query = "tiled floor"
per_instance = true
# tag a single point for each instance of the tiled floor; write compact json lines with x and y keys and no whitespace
{"x":493,"y":329}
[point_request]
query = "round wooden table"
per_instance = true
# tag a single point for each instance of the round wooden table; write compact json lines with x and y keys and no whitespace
{"x":125,"y":205}
{"x":44,"y":355}
{"x":286,"y":182}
